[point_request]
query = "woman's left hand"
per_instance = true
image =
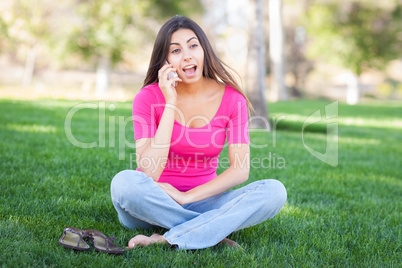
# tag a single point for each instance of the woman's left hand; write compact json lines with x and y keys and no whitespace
{"x":180,"y":197}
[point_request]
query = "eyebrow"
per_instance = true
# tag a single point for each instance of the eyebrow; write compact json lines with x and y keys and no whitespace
{"x":187,"y":41}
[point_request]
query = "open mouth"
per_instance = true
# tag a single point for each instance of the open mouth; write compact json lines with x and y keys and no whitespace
{"x":190,"y":70}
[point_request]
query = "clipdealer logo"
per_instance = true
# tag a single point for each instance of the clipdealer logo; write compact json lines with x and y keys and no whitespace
{"x":330,"y":156}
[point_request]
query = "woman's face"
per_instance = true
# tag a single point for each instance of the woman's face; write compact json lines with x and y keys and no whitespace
{"x":186,"y":55}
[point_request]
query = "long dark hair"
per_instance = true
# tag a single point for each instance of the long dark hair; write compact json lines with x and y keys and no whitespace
{"x":214,"y":68}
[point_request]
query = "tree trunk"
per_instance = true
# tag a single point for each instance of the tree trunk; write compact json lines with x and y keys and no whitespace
{"x":29,"y":67}
{"x":352,"y":94}
{"x":102,"y":76}
{"x":276,"y":49}
{"x":255,"y":86}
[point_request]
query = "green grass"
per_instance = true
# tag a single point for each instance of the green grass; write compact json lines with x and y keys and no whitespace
{"x":348,"y":215}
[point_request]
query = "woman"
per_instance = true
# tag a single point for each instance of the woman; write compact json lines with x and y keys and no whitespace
{"x":179,"y":133}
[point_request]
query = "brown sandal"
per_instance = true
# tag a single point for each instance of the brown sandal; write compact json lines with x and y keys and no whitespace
{"x":102,"y":243}
{"x":73,"y":238}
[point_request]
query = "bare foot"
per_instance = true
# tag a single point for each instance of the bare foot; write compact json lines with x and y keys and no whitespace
{"x":143,"y":241}
{"x":230,"y":243}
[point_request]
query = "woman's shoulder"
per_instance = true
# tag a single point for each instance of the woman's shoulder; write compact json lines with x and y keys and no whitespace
{"x":152,"y":89}
{"x":150,"y":93}
{"x":233,"y":94}
{"x":231,"y":101}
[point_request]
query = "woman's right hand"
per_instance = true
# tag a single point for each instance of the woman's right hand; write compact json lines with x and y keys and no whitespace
{"x":166,"y":85}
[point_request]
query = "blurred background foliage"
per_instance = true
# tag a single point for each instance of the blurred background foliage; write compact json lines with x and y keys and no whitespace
{"x":64,"y":46}
{"x":355,"y":35}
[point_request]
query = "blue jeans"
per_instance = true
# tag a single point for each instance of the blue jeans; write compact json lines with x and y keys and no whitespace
{"x":140,"y":202}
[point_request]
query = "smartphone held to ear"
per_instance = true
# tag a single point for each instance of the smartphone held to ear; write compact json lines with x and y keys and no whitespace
{"x":171,"y":75}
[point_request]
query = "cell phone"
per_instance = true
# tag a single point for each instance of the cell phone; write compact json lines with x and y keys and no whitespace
{"x":171,"y":75}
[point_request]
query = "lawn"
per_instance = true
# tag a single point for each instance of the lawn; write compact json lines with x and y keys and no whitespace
{"x":347,"y":215}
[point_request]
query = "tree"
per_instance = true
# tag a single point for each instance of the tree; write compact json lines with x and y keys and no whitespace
{"x":255,"y":87}
{"x":276,"y":49}
{"x":99,"y":32}
{"x":3,"y":34}
{"x":28,"y":30}
{"x":103,"y":30}
{"x":296,"y":62}
{"x":356,"y":36}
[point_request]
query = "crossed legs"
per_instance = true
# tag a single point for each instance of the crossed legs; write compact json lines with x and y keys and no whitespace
{"x":141,"y":203}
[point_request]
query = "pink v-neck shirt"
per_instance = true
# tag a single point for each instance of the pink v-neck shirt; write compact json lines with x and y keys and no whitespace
{"x":193,"y":152}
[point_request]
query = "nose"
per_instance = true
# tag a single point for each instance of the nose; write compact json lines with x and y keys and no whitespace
{"x":187,"y":55}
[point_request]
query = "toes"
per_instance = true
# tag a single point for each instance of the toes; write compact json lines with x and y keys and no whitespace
{"x":142,"y":240}
{"x":138,"y":240}
{"x":131,"y":243}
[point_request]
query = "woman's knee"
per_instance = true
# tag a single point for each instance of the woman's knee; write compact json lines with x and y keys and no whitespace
{"x":125,"y":182}
{"x":274,"y":192}
{"x":280,"y":191}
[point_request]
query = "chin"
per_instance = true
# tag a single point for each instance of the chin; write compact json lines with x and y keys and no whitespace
{"x":192,"y":80}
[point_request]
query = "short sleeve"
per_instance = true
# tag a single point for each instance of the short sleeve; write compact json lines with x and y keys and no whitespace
{"x":237,"y":130}
{"x":144,"y":114}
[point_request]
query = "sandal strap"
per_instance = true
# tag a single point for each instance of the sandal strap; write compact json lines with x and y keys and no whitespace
{"x":107,"y":241}
{"x":71,"y":230}
{"x":92,"y":232}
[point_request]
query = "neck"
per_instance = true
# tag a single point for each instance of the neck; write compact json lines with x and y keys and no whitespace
{"x":192,"y":89}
